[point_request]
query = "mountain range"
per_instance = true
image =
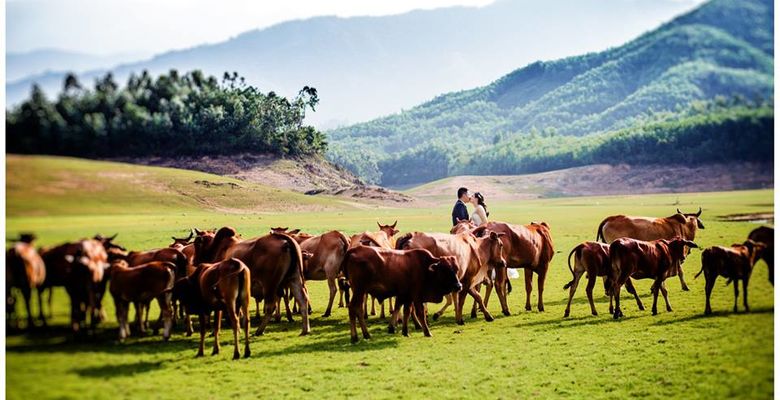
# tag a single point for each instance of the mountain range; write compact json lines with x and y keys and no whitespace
{"x":721,"y":50}
{"x":365,"y":67}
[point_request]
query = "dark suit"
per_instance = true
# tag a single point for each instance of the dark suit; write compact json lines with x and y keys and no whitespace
{"x":459,"y":212}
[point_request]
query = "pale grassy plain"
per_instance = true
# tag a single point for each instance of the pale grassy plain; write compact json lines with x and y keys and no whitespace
{"x":681,"y":354}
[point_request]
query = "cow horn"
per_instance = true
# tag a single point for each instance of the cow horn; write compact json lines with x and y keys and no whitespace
{"x":197,"y":231}
{"x":394,"y":224}
{"x":113,"y":237}
{"x":699,"y":213}
{"x":190,"y":236}
{"x":678,"y":211}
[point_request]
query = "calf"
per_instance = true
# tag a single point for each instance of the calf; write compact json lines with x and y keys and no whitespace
{"x":733,"y":263}
{"x":766,"y":236}
{"x":414,"y":277}
{"x":657,"y":260}
{"x":223,"y":286}
{"x":139,"y":285}
{"x":591,"y":258}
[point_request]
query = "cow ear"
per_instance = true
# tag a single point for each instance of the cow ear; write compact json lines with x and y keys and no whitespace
{"x":691,"y":244}
{"x":294,"y":232}
{"x":679,"y":218}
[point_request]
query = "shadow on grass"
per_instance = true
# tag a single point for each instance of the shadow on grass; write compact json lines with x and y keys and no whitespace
{"x":110,"y":371}
{"x":570,"y":322}
{"x":717,"y":314}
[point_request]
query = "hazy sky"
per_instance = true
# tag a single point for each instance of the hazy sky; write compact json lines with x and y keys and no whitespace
{"x":153,"y":26}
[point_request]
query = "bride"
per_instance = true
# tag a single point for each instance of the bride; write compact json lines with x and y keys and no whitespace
{"x":480,"y":214}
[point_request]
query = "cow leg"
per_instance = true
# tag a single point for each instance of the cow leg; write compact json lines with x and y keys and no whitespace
{"x":164,"y":300}
{"x":655,"y":289}
{"x":540,"y":285}
{"x":202,"y":323}
{"x":278,"y":310}
{"x":474,"y":303}
{"x":188,"y":323}
{"x":289,"y":314}
{"x":302,"y":297}
{"x":232,"y":315}
{"x":138,"y":316}
{"x":631,"y":289}
{"x":373,"y":305}
{"x":393,"y":318}
{"x":460,"y":299}
{"x":500,"y":287}
{"x":745,"y":293}
{"x":448,"y":301}
{"x":708,"y":286}
{"x":529,"y":276}
{"x":26,"y":294}
{"x":355,"y":307}
{"x":589,"y":291}
{"x":666,"y":296}
{"x":736,"y":295}
{"x":419,"y":309}
{"x":618,"y":313}
{"x":48,"y":300}
{"x":382,"y":309}
{"x":245,"y":318}
{"x":268,"y":309}
{"x":683,"y":285}
{"x":365,"y":305}
{"x":332,"y":295}
{"x":217,"y":326}
{"x":121,"y":318}
{"x":572,"y":289}
{"x":40,"y":306}
{"x":363,"y":327}
{"x":478,"y":300}
{"x":769,"y":257}
{"x":257,"y":308}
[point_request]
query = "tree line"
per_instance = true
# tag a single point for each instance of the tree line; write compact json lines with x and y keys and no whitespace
{"x":170,"y":115}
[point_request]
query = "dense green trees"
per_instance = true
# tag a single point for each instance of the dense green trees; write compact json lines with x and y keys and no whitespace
{"x":723,"y":49}
{"x":190,"y":114}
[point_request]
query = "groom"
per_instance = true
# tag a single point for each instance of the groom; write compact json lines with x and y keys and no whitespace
{"x":460,"y":212}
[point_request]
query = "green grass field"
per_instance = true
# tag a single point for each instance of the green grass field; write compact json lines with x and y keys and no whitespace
{"x":680,"y":354}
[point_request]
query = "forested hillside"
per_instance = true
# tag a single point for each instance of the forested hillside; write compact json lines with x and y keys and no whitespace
{"x":532,"y":118}
{"x":170,"y":115}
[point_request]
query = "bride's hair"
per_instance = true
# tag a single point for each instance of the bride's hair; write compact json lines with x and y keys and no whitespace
{"x":481,"y":201}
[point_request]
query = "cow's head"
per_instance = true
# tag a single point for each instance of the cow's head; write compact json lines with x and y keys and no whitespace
{"x":496,"y":250}
{"x":677,"y":248}
{"x":691,"y":220}
{"x":444,"y":272}
{"x":279,"y":229}
{"x":108,"y":242}
{"x":181,"y":242}
{"x":389,"y":229}
{"x":754,"y":250}
{"x":207,"y":244}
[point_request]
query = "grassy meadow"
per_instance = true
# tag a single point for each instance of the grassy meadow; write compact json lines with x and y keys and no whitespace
{"x":680,"y":354}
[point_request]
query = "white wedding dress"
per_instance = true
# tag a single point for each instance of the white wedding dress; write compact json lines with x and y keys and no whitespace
{"x":475,"y":218}
{"x":510,"y":272}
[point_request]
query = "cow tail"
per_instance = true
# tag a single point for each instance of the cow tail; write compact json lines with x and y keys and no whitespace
{"x":600,"y":231}
{"x":568,"y":261}
{"x":296,"y":257}
{"x":171,"y":269}
{"x":705,"y":255}
{"x":242,"y":299}
{"x":344,"y":283}
{"x":402,"y":241}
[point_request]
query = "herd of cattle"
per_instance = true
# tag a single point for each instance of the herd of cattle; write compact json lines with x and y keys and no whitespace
{"x":217,"y":271}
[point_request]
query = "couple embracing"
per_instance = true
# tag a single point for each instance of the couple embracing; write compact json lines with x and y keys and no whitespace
{"x":461,"y":213}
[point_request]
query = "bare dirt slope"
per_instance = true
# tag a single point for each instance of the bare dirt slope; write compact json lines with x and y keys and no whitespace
{"x":312,"y":176}
{"x":605,"y":179}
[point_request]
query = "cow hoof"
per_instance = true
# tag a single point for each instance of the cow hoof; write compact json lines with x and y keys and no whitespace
{"x":236,"y":355}
{"x":200,"y":354}
{"x":326,"y":315}
{"x":353,"y":339}
{"x":460,"y":322}
{"x":736,"y":310}
{"x":615,"y":316}
{"x":258,"y":333}
{"x":188,"y":334}
{"x":541,"y":309}
{"x":289,"y":319}
{"x":489,"y":318}
{"x":506,"y":313}
{"x":685,"y":289}
{"x":436,"y":316}
{"x":304,"y":333}
{"x":427,"y":334}
{"x":655,"y":312}
{"x":707,"y":312}
{"x":641,"y":308}
{"x":594,"y":313}
{"x":366,"y":335}
{"x":669,"y":309}
{"x":565,"y":314}
{"x":247,"y":353}
{"x":166,"y":338}
{"x":528,"y":308}
{"x":406,"y":333}
{"x":215,"y":352}
{"x":474,"y":315}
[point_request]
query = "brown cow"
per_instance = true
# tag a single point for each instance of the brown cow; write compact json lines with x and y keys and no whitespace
{"x":382,"y":238}
{"x":591,"y":258}
{"x":24,"y":270}
{"x":639,"y":259}
{"x":275,"y":262}
{"x":139,"y":285}
{"x":185,"y":246}
{"x":648,"y":229}
{"x":525,"y":246}
{"x":473,"y":257}
{"x":327,"y":252}
{"x":80,"y":268}
{"x":296,"y":234}
{"x":766,"y":236}
{"x":224,"y":286}
{"x":414,"y":277}
{"x":734,"y":263}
